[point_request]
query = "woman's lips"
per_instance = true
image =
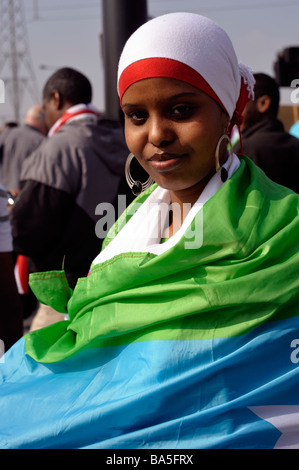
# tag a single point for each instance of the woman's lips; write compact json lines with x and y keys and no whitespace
{"x":165,"y":161}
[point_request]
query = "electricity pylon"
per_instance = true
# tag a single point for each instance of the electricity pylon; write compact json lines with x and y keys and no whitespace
{"x":16,"y":69}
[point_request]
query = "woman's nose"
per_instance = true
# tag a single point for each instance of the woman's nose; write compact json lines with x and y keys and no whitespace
{"x":160,"y":132}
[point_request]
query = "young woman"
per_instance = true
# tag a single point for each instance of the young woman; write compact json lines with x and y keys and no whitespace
{"x":184,"y":333}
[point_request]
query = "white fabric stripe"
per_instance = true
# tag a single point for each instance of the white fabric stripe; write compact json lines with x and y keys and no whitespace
{"x":140,"y":233}
{"x":75,"y":109}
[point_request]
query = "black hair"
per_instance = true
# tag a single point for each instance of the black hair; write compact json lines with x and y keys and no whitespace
{"x":72,"y":85}
{"x":11,"y":124}
{"x":266,"y":85}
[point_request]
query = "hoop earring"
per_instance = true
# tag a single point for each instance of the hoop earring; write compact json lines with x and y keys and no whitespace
{"x":223,"y":172}
{"x":136,"y":186}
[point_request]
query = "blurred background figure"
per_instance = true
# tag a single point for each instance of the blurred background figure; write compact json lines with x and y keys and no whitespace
{"x":8,"y":125}
{"x":264,"y":138}
{"x":19,"y":143}
{"x":78,"y":166}
{"x":16,"y":144}
{"x":11,"y":319}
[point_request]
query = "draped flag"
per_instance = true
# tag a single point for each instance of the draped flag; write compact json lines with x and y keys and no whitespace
{"x":189,"y":349}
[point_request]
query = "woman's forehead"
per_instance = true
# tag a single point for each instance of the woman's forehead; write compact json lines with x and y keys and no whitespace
{"x":162,"y":88}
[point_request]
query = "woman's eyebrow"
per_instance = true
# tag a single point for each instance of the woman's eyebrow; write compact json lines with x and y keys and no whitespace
{"x":183,"y":94}
{"x":169,"y":98}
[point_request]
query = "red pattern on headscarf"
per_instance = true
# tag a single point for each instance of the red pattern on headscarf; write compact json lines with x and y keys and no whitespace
{"x":237,"y":117}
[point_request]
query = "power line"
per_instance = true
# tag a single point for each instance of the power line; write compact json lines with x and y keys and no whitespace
{"x":64,"y":18}
{"x":45,"y":13}
{"x":67,"y":7}
{"x":88,"y":6}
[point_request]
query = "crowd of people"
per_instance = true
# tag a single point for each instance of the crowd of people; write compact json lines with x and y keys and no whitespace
{"x":165,"y":325}
{"x":58,"y":166}
{"x":264,"y":137}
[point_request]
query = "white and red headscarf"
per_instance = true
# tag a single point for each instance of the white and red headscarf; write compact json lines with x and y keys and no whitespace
{"x":191,"y":48}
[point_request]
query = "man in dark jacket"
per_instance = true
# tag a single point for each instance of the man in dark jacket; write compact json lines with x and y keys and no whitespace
{"x":11,"y":319}
{"x":77,"y":167}
{"x":17,"y":144}
{"x":264,"y":138}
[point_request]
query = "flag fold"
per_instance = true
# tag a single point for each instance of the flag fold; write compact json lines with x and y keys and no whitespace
{"x":174,"y":350}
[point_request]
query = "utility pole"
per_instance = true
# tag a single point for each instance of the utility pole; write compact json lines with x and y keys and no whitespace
{"x":15,"y":64}
{"x":120,"y":19}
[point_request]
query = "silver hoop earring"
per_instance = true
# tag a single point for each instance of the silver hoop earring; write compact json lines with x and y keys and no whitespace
{"x":223,"y":172}
{"x":136,"y":186}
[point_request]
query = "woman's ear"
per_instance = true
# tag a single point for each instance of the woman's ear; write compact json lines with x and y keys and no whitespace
{"x":227,"y":125}
{"x":225,"y":120}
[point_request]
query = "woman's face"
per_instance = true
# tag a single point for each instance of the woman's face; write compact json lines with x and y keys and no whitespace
{"x":173,"y":129}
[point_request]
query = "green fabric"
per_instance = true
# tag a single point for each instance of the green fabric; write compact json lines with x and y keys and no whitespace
{"x":51,"y":288}
{"x":244,"y":274}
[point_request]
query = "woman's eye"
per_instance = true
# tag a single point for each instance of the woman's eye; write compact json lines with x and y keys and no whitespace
{"x":137,"y":117}
{"x":181,"y":111}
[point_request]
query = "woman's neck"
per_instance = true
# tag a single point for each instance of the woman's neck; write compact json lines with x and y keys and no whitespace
{"x":181,"y":203}
{"x":175,"y":219}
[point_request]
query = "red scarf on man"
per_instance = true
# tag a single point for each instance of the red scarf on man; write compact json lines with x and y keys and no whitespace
{"x":74,"y":111}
